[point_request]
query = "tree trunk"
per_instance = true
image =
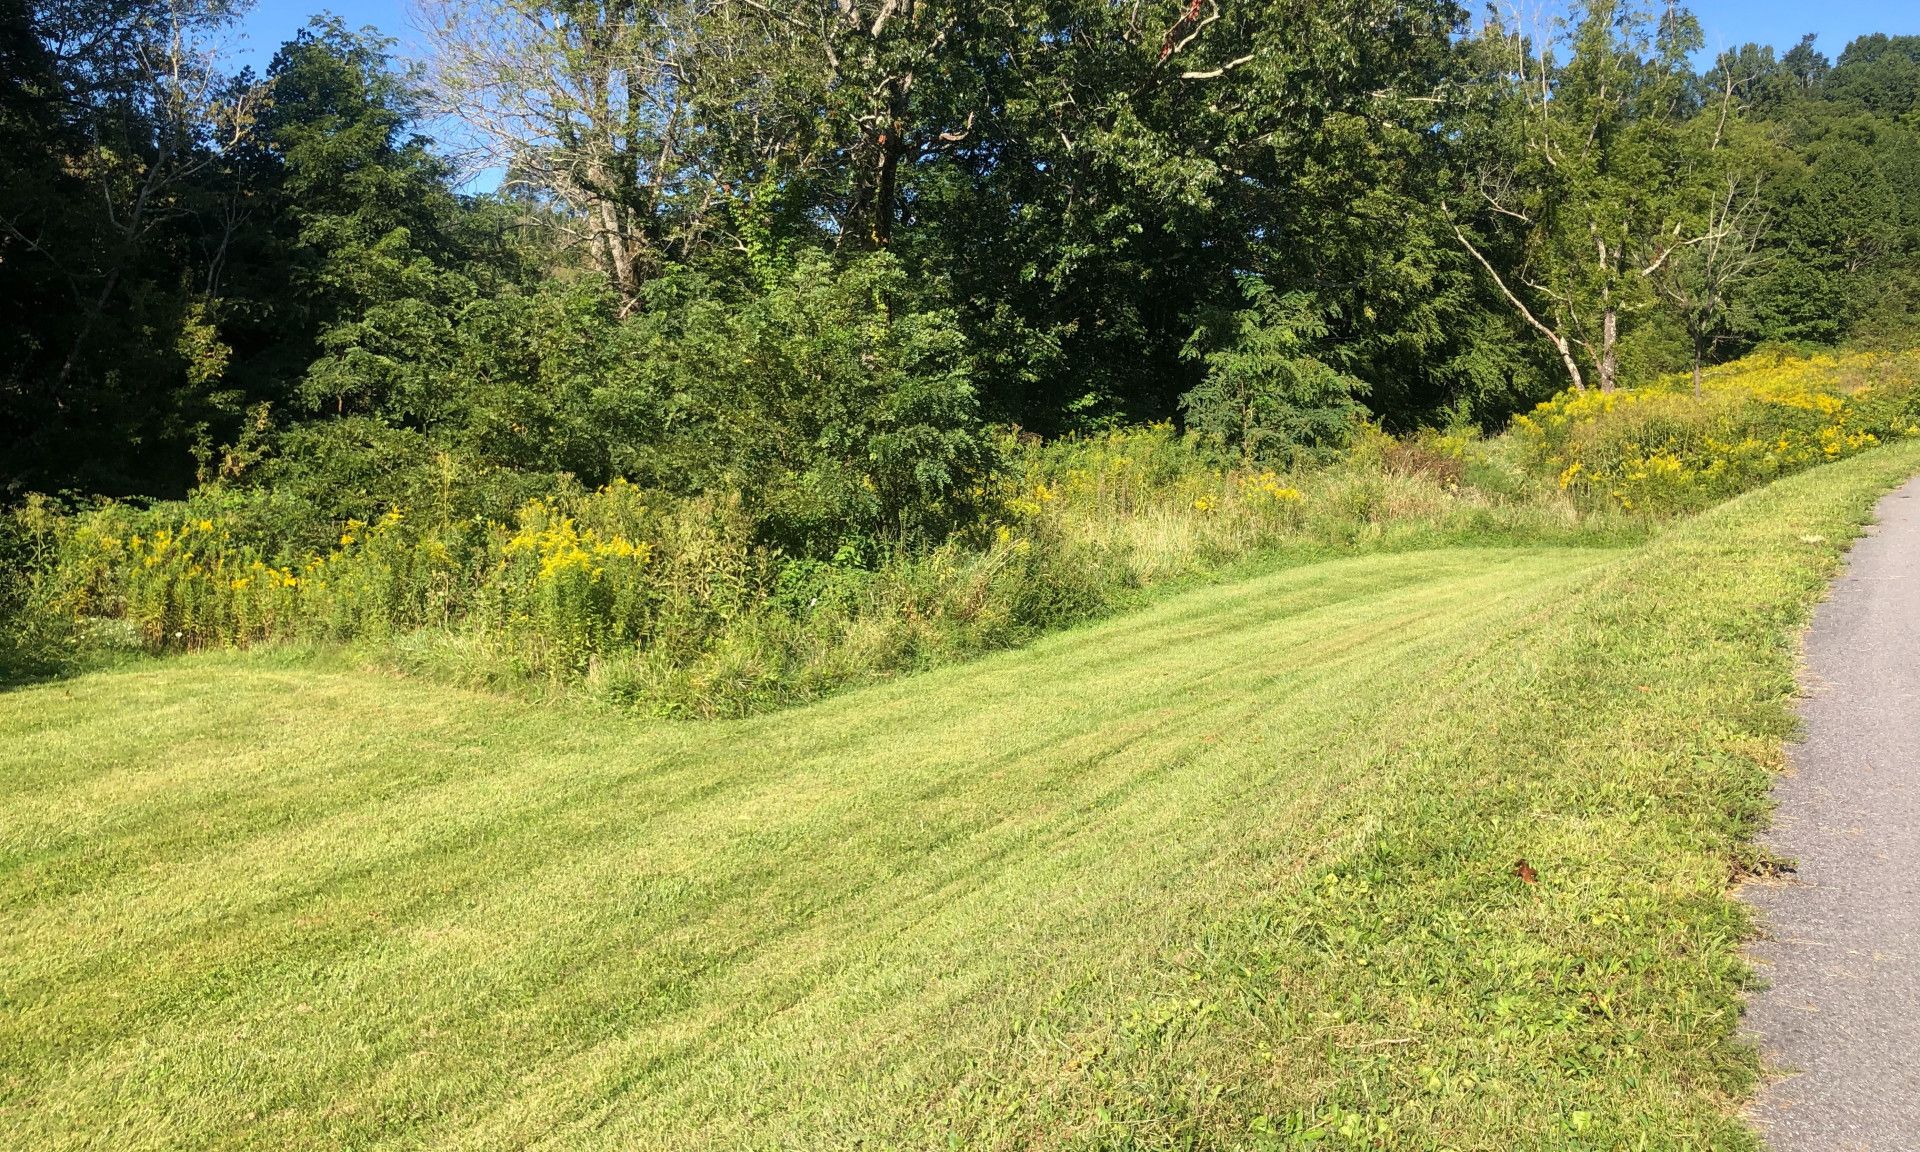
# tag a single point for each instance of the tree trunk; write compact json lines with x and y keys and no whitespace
{"x":886,"y":184}
{"x":1609,"y":348}
{"x":1698,"y":355}
{"x":87,"y":323}
{"x":1571,"y":362}
{"x":1246,"y":435}
{"x":893,"y":148}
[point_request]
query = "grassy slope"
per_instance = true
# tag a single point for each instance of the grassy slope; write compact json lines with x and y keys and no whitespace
{"x":1239,"y":865}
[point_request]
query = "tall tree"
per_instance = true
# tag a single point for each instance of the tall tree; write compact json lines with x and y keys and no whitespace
{"x":374,"y":260}
{"x":1703,"y":279}
{"x":588,"y":103}
{"x":134,"y":119}
{"x":1844,"y":257}
{"x":1594,"y":169}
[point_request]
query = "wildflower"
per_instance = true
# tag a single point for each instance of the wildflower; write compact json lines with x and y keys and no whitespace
{"x":623,"y":548}
{"x":1268,"y":484}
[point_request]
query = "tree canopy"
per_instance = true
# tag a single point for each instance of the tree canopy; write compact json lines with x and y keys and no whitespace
{"x":812,"y":251}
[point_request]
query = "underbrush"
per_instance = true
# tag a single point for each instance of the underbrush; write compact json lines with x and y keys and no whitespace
{"x":675,"y":606}
{"x":1663,"y":449}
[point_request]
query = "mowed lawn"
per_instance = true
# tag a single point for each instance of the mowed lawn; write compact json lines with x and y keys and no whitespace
{"x":1240,"y":870}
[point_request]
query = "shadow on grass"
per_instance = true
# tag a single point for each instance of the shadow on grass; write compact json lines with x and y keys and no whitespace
{"x":25,"y":666}
{"x":24,"y":671}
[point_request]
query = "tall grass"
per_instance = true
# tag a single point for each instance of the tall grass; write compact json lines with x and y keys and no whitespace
{"x":672,"y":606}
{"x":1664,"y":449}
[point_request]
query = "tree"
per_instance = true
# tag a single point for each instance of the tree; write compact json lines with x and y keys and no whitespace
{"x":38,"y":194}
{"x":1844,"y":257}
{"x":838,"y":406}
{"x":1702,"y":279}
{"x":589,"y":103}
{"x":1266,"y":399}
{"x":125,"y":125}
{"x":373,"y":263}
{"x":159,"y":124}
{"x":1594,"y":167}
{"x":1880,"y":74}
{"x":1127,"y":164}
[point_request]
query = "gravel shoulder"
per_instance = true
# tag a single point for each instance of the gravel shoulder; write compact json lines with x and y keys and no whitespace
{"x":1839,"y":1023}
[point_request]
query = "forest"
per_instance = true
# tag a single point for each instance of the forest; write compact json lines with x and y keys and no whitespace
{"x":810,"y":251}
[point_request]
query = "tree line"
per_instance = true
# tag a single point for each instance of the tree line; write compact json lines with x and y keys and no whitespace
{"x":811,"y":251}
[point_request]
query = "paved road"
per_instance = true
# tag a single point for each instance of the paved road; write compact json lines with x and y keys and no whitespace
{"x":1843,"y":954}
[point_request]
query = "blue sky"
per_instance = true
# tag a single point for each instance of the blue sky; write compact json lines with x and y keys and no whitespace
{"x":1727,"y":22}
{"x":273,"y":21}
{"x":1730,"y":23}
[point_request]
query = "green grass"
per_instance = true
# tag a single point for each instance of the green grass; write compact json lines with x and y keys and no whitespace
{"x":1234,"y":871}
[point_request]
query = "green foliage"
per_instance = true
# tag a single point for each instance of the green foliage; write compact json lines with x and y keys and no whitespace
{"x":540,"y":380}
{"x":1661,"y":449}
{"x":839,"y":406}
{"x":18,"y":562}
{"x":1844,"y":235}
{"x":1599,"y":179}
{"x":682,"y":603}
{"x":1265,"y":398}
{"x":688,"y":603}
{"x":1880,"y":74}
{"x":1065,"y":204}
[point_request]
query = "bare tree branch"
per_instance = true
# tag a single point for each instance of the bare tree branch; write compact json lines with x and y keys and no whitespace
{"x":1559,"y":342}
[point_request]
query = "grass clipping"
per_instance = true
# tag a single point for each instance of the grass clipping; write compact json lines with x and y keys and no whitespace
{"x":1415,"y":850}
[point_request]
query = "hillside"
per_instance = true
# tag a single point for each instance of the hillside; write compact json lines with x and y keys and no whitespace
{"x":1240,"y":870}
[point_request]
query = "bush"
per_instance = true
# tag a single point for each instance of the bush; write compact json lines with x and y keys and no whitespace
{"x":1266,"y":399}
{"x":1662,"y":450}
{"x":836,"y":404}
{"x":688,"y":605}
{"x":18,"y":655}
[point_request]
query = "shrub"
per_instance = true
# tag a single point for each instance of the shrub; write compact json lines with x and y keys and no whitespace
{"x":687,"y":605}
{"x":1661,"y":450}
{"x":829,"y":398}
{"x":1266,"y":399}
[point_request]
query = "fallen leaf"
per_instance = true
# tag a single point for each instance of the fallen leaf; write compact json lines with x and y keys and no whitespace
{"x":1525,"y":871}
